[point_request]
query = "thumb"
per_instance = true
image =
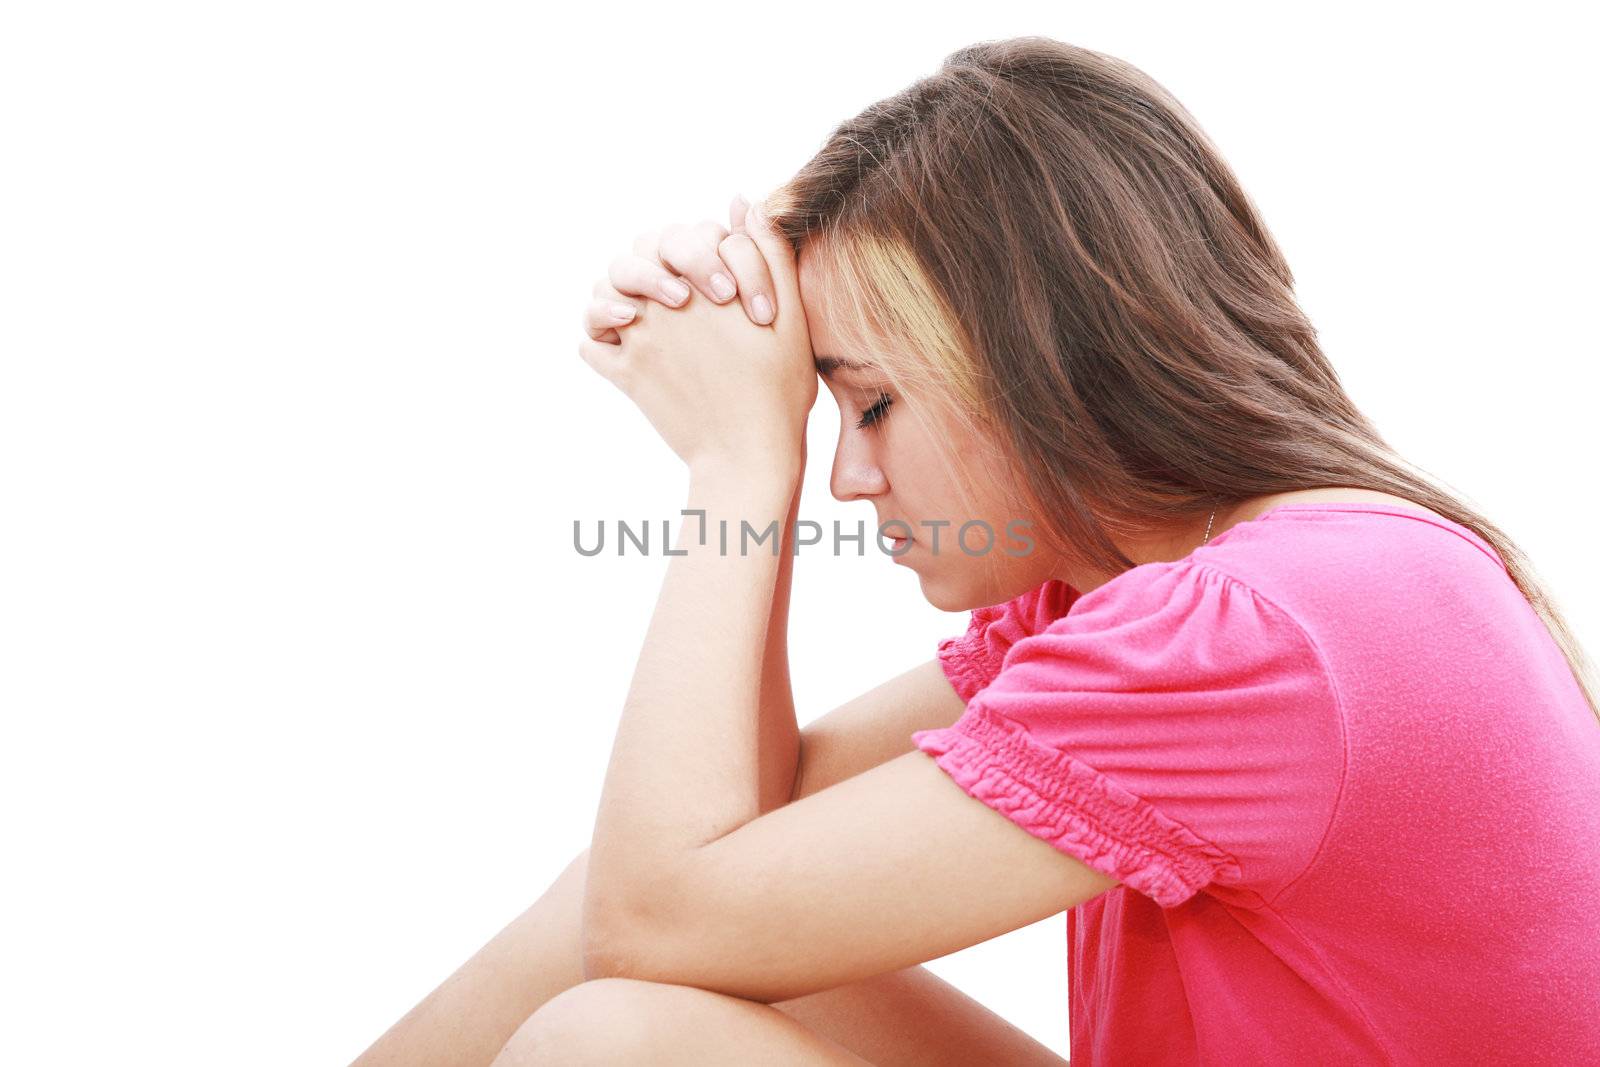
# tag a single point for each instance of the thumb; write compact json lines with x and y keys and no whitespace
{"x":779,"y":254}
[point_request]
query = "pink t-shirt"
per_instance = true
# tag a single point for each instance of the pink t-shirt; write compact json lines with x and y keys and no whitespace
{"x":1344,"y":776}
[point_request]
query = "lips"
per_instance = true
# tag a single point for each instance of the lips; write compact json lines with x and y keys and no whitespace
{"x":885,"y":523}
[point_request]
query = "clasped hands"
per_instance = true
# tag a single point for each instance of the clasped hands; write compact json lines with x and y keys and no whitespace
{"x":723,"y":369}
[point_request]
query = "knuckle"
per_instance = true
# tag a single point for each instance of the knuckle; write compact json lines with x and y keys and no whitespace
{"x":703,"y":264}
{"x":671,"y":233}
{"x":646,"y":243}
{"x":710,"y":232}
{"x":673,"y":247}
{"x":629,"y":276}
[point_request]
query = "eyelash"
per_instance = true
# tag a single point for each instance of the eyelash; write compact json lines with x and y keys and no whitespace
{"x":875,"y":414}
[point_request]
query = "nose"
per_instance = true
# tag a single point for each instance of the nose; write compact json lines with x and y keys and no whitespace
{"x":856,"y":472}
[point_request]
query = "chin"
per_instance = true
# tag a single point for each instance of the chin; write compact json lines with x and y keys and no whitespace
{"x":959,"y":589}
{"x":943,"y":602}
{"x":948,"y":593}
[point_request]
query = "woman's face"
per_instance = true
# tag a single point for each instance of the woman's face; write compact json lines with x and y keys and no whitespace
{"x":887,"y":456}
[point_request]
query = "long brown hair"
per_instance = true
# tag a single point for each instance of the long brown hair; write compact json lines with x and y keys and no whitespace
{"x":1041,"y":241}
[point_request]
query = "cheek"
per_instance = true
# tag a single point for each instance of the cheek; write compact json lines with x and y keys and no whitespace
{"x":935,"y":488}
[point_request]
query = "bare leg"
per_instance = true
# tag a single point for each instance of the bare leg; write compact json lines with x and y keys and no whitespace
{"x":905,"y":1017}
{"x":624,"y":1020}
{"x":469,"y":1018}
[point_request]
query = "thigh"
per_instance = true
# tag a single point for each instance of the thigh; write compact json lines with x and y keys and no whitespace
{"x":914,"y":1018}
{"x":910,"y":1016}
{"x":476,"y":1009}
{"x":628,"y":1021}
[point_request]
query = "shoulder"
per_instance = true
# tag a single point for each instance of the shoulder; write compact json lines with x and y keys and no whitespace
{"x":1181,"y":602}
{"x":1172,"y":700}
{"x":1366,"y":580}
{"x":1185,"y":610}
{"x":1183,"y":637}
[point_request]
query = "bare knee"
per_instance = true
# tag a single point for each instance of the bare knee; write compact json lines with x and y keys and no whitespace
{"x":599,"y":1021}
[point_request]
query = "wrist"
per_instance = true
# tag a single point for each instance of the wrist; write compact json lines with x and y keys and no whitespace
{"x":755,"y":469}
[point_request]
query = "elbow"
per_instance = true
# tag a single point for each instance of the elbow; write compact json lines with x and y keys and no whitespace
{"x":597,"y":937}
{"x":616,"y":938}
{"x":600,"y":961}
{"x":622,"y":954}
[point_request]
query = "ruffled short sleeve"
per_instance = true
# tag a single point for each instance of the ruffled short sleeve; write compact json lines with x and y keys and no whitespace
{"x":1173,"y":729}
{"x":972,"y":659}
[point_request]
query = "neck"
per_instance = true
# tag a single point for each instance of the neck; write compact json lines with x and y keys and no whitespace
{"x":1173,"y":542}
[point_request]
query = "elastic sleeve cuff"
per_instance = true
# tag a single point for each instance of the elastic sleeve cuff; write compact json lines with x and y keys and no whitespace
{"x":966,"y":663}
{"x":1074,"y":807}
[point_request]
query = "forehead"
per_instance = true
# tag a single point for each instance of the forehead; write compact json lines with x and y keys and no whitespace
{"x":813,"y":294}
{"x":815,"y":286}
{"x":831,"y":366}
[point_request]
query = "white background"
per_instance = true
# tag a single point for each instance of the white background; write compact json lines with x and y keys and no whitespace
{"x":306,"y":692}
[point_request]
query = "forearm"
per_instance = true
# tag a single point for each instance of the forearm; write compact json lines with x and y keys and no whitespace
{"x":780,"y":730}
{"x":686,"y":763}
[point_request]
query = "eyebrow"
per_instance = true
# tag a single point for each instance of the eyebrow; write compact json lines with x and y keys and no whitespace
{"x":826,"y":365}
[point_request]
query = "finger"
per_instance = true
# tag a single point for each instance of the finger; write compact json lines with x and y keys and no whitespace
{"x":779,"y":256}
{"x":606,"y":293}
{"x":736,"y":213}
{"x":742,"y":256}
{"x":605,"y":359}
{"x":692,"y":252}
{"x":648,"y":244}
{"x":601,"y":318}
{"x":604,"y":290}
{"x":636,"y":275}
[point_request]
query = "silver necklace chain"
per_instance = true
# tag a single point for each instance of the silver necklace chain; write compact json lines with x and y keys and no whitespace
{"x":1208,"y":526}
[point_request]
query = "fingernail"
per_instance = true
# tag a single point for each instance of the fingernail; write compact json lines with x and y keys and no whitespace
{"x":721,"y":286}
{"x":674,"y":290}
{"x":762,"y":307}
{"x":622,"y":312}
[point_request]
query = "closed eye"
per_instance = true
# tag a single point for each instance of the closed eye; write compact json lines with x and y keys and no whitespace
{"x":874,"y":414}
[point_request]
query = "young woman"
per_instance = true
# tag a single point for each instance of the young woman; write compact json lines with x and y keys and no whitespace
{"x":1292,"y":733}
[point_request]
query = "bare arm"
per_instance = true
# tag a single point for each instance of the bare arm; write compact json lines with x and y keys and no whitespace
{"x":779,"y":731}
{"x":875,"y":727}
{"x":888,"y":868}
{"x":686,"y":764}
